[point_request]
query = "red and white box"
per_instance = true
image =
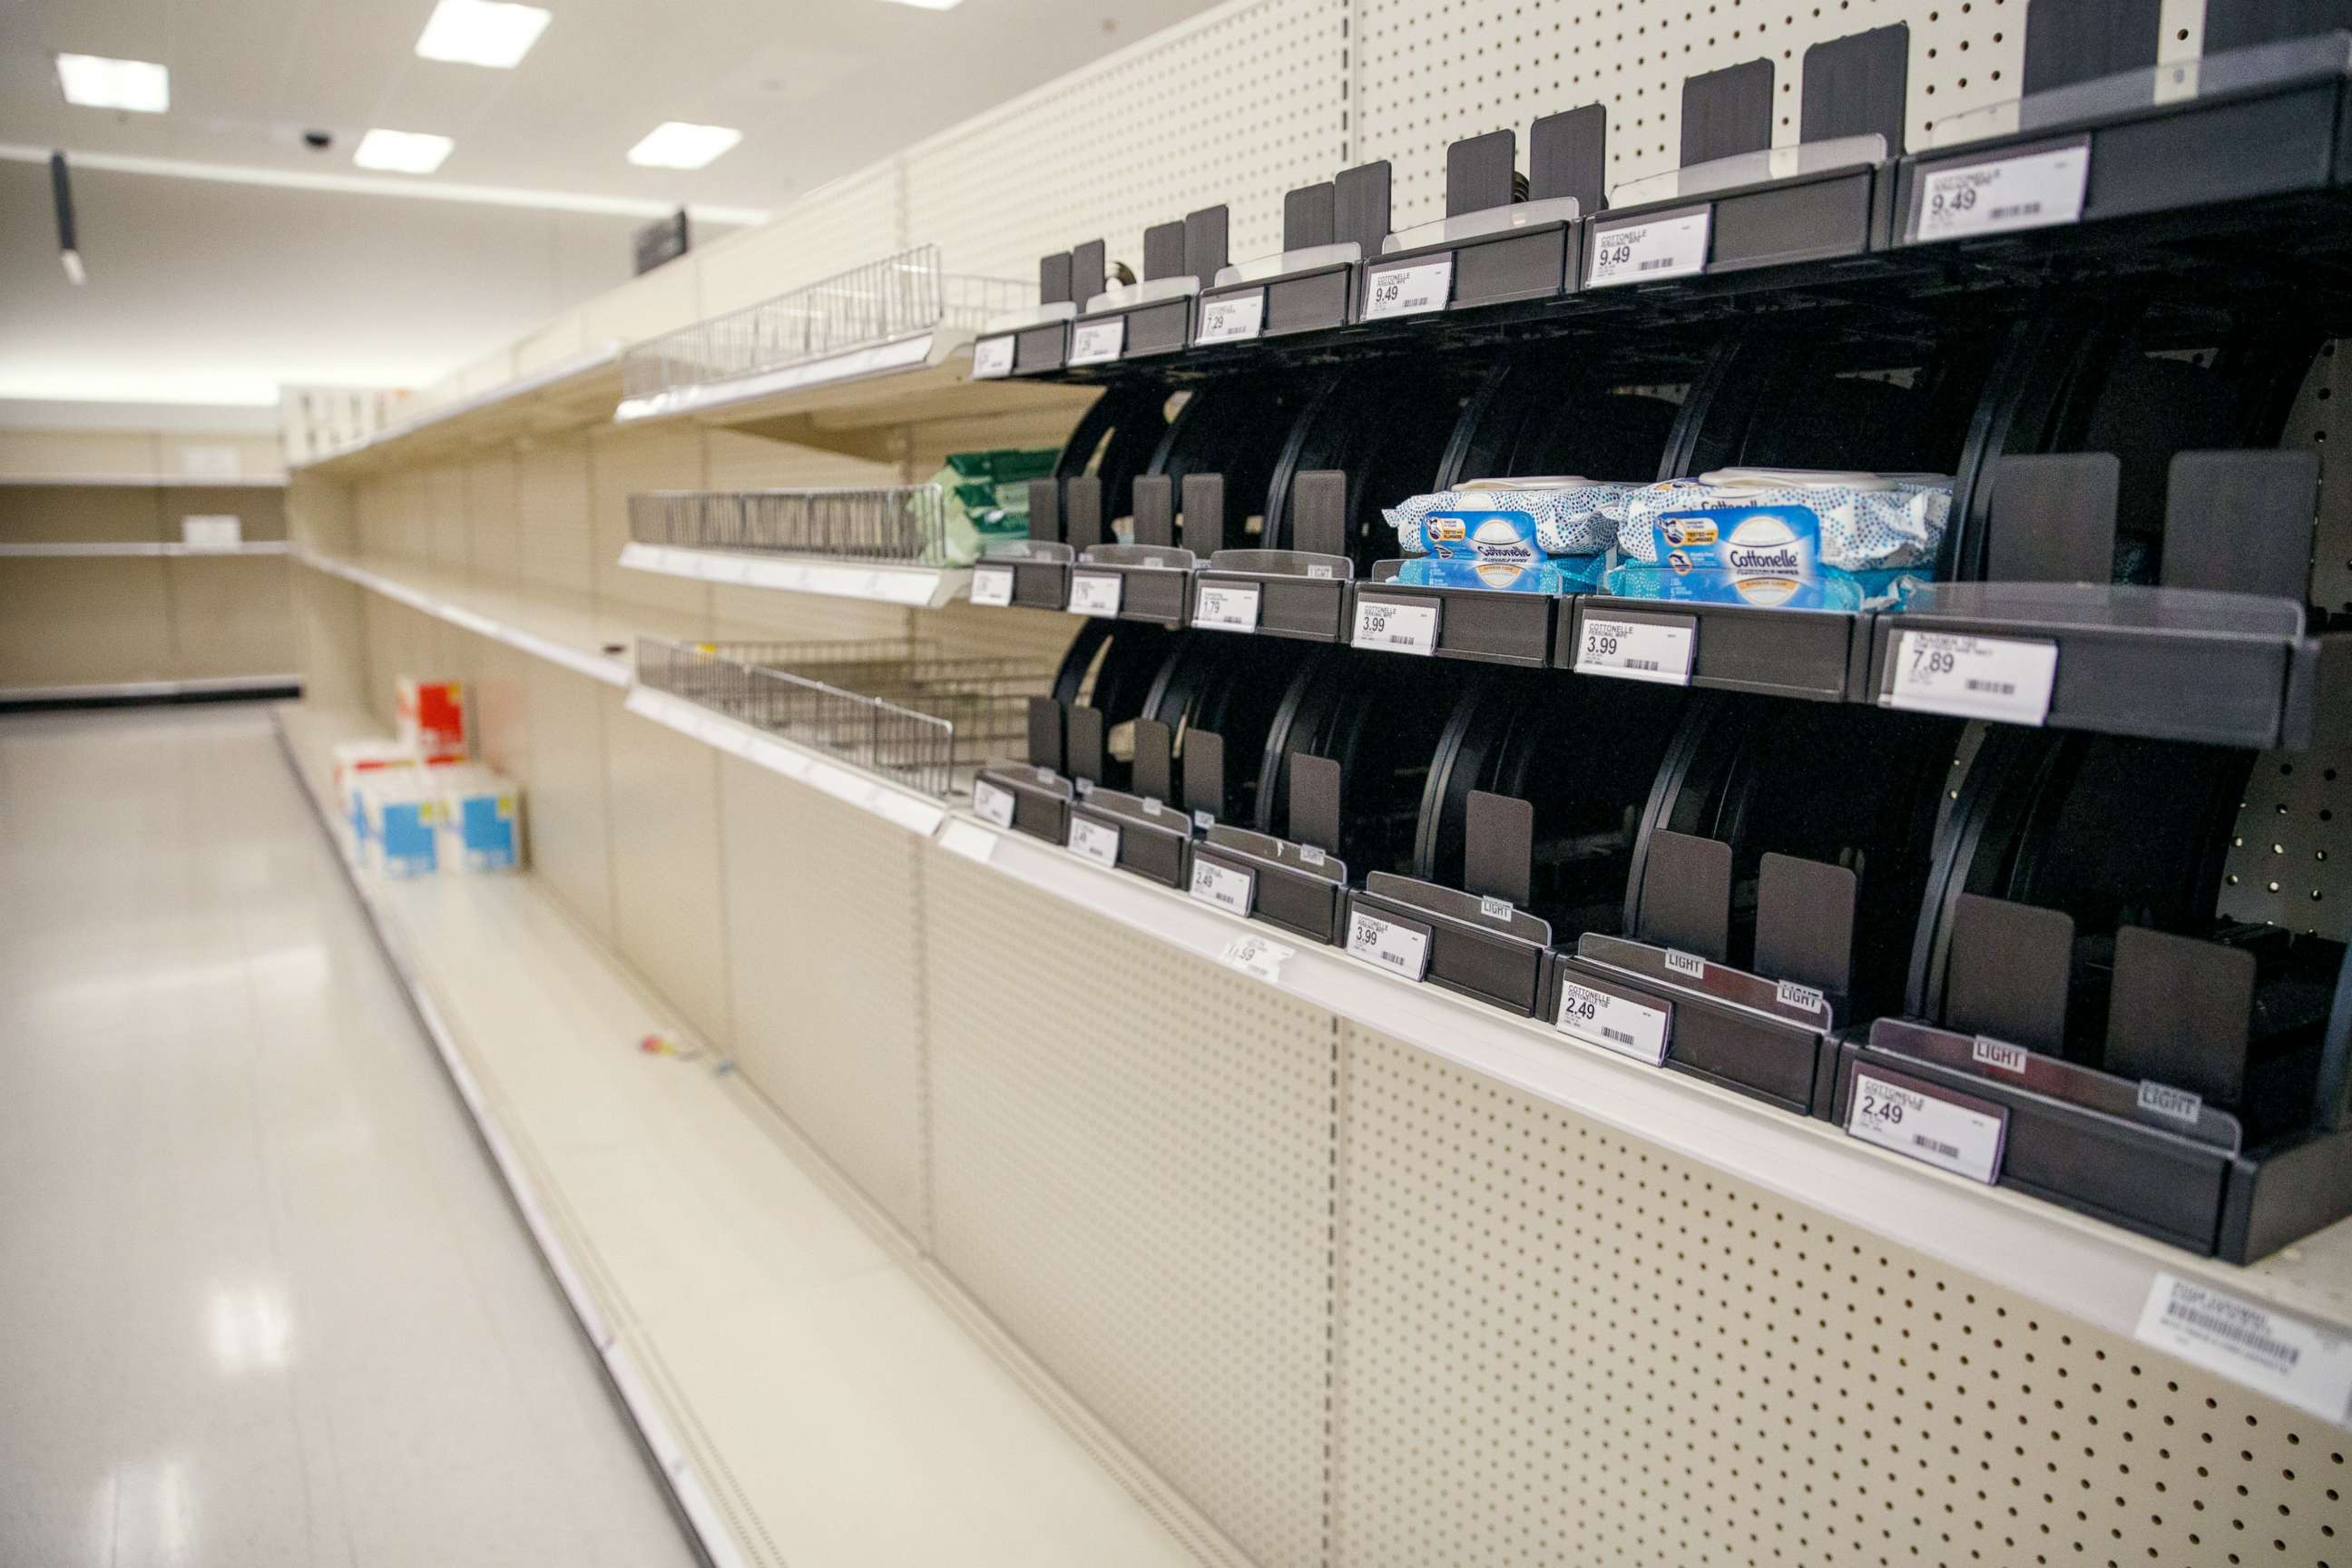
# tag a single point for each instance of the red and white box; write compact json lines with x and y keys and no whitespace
{"x":433,"y":717}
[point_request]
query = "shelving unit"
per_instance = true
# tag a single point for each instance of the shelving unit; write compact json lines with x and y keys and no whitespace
{"x":572,"y":391}
{"x":1350,"y":1250}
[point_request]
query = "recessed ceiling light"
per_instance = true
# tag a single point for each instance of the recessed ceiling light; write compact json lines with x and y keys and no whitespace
{"x":401,"y":152}
{"x":675,"y":144}
{"x":929,"y":5}
{"x":96,"y":82}
{"x":481,"y":33}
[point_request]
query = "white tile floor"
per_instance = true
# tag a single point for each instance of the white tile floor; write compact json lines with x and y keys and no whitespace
{"x":262,"y":1298}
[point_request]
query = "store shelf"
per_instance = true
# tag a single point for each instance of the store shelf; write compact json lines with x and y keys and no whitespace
{"x":807,"y":1381}
{"x":155,"y":690}
{"x":2091,"y":1270}
{"x":585,"y":635}
{"x":565,"y":396}
{"x":134,"y":547}
{"x":847,"y":402}
{"x":146,"y":481}
{"x":911,"y":810}
{"x":920,"y":587}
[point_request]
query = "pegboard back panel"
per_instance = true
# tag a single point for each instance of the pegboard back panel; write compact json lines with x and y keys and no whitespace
{"x":1131,"y":1172}
{"x":825,"y":949}
{"x":1236,"y":106}
{"x":1556,"y":1345}
{"x":847,"y":222}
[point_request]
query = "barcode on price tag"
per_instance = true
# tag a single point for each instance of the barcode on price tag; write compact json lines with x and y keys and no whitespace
{"x":2031,"y":190}
{"x":1392,"y":946}
{"x":992,"y":357}
{"x":1613,"y":1023}
{"x":1648,"y":252}
{"x":1226,"y":887}
{"x":1226,"y":606}
{"x":1409,"y":291}
{"x":2293,"y":1362}
{"x":1099,"y":342}
{"x":1234,"y":319}
{"x":1973,"y":678}
{"x":991,"y":586}
{"x":1929,"y":1127}
{"x":1093,"y":592}
{"x":1094,"y":841}
{"x":1637,"y":650}
{"x":993,"y":804}
{"x":1400,"y":628}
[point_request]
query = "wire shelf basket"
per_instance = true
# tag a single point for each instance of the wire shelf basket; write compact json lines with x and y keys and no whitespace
{"x":878,"y":303}
{"x":905,"y":524}
{"x":894,"y":706}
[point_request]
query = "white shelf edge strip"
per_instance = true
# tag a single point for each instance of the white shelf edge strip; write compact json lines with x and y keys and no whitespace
{"x":595,"y":666}
{"x":2071,"y":1263}
{"x":148,"y":481}
{"x":916,"y":813}
{"x":925,"y":348}
{"x":203,"y":686}
{"x":120,"y":547}
{"x":928,"y":586}
{"x":677,"y":1471}
{"x":540,"y":380}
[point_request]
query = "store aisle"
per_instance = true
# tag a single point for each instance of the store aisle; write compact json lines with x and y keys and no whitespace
{"x":265,"y":1299}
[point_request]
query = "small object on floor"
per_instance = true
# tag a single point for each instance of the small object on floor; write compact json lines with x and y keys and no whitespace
{"x":664,"y":1045}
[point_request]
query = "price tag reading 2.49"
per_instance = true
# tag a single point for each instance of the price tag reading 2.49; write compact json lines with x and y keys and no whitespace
{"x":1948,"y":1131}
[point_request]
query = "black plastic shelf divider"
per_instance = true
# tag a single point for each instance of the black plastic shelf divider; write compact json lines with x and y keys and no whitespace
{"x":1133,"y":834}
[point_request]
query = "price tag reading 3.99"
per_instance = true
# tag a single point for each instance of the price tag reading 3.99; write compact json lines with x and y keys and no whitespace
{"x":1637,"y":650}
{"x":1395,"y":947}
{"x":1400,"y":628}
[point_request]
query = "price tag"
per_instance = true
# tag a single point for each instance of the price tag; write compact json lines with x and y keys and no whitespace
{"x":1226,"y":606}
{"x":992,"y":357}
{"x":1256,"y":955}
{"x":1235,"y":318}
{"x":1973,"y":678}
{"x":1392,"y":946}
{"x":1637,"y":650}
{"x":2032,"y":190}
{"x":1400,"y":628}
{"x":991,"y":586}
{"x":1099,"y":342}
{"x":1094,"y":841}
{"x":1094,"y":593}
{"x":1228,"y":889}
{"x":1614,"y":1024}
{"x":1647,"y":252}
{"x":1928,"y":1126}
{"x":1410,"y":291}
{"x":992,"y":803}
{"x":2293,"y":1362}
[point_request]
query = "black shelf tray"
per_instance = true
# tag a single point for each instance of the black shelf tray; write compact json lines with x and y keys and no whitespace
{"x":1155,"y":583}
{"x":2264,"y":122}
{"x":1511,"y":267}
{"x":1300,"y":890}
{"x":1482,"y":948}
{"x":1836,"y":215}
{"x":1150,"y":328}
{"x":1291,"y":601}
{"x":1154,"y":840}
{"x":1491,"y":627}
{"x":1822,"y":655}
{"x":2166,"y":664}
{"x":1728,"y":1025}
{"x":1041,"y":799}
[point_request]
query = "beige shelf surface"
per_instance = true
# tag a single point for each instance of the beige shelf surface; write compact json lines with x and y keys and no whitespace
{"x":565,"y":396}
{"x":809,"y":1392}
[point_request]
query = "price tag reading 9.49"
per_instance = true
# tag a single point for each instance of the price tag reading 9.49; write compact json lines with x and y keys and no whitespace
{"x":1409,"y":291}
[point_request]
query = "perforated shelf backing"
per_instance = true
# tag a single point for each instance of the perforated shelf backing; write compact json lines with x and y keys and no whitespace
{"x":1555,"y":1345}
{"x":1131,"y":1172}
{"x":2289,"y":861}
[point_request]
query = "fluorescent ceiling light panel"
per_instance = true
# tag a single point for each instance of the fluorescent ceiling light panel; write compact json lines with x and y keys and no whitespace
{"x":929,"y":5}
{"x":481,"y":33}
{"x":96,"y":83}
{"x":401,"y":152}
{"x":675,"y":144}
